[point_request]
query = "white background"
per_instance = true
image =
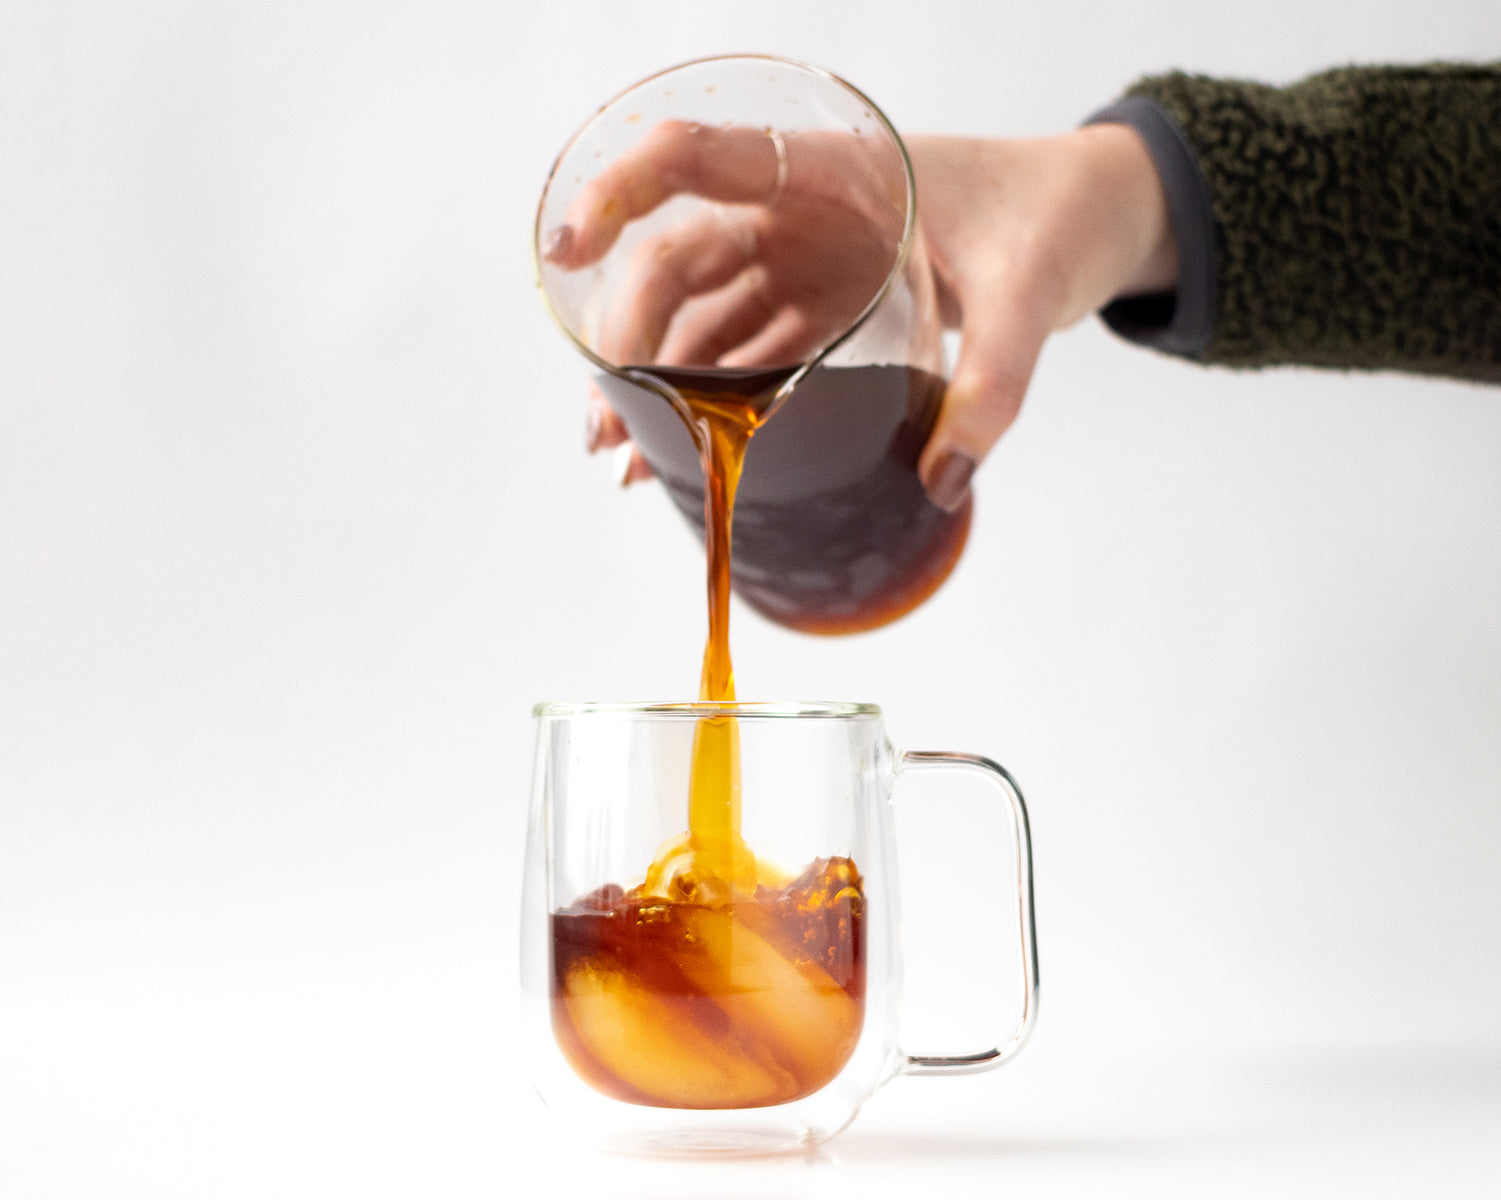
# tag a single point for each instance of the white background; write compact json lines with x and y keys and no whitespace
{"x":295,"y":526}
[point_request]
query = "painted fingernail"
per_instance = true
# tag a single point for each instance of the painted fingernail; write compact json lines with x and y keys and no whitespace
{"x":558,"y":243}
{"x":948,"y":481}
{"x":622,"y":464}
{"x":593,"y":425}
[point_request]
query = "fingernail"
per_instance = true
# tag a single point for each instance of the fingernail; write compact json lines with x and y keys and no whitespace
{"x":593,"y":424}
{"x":948,"y":481}
{"x":622,"y":464}
{"x":558,"y":243}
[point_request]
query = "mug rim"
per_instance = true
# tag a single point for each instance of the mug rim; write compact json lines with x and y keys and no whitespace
{"x":842,"y":710}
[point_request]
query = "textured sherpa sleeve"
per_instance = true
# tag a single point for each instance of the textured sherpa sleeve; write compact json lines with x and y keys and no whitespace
{"x":1349,"y":220}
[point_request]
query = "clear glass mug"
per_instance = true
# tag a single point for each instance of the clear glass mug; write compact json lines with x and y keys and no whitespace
{"x":671,"y":1008}
{"x":747,"y":225}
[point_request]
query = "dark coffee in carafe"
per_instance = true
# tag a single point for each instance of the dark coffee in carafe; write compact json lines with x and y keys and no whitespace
{"x":833,"y":530}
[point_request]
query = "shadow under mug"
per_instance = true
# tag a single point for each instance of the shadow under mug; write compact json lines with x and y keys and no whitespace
{"x":670,"y":1012}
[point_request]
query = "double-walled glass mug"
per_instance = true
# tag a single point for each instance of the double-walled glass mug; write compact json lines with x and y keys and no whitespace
{"x":741,"y":232}
{"x":737,"y":988}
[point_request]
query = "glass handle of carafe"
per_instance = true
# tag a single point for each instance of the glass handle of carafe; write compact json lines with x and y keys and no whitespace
{"x":984,"y":1060}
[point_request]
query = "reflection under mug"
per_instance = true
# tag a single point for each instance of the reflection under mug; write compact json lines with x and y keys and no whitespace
{"x":729,"y":982}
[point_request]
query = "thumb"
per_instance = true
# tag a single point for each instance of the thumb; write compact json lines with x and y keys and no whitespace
{"x":997,"y":354}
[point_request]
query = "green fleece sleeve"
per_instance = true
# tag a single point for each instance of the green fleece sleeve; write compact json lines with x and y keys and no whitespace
{"x":1356,"y":216}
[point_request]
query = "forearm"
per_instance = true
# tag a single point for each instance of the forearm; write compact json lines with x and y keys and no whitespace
{"x":1351,"y":220}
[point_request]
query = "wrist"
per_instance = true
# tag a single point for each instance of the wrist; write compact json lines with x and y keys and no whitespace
{"x":1138,"y":211}
{"x":1185,"y":323}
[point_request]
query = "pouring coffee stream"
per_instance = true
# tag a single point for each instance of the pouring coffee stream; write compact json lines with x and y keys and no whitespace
{"x":646,"y":980}
{"x":722,"y":422}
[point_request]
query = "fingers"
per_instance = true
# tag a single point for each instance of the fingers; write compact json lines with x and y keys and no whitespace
{"x":664,"y":273}
{"x":603,"y":429}
{"x":789,"y":337}
{"x":630,"y":467}
{"x":998,"y":353}
{"x":710,"y":326}
{"x":736,"y":165}
{"x":732,"y":289}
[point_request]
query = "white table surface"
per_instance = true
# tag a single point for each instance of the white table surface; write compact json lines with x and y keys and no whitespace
{"x":1179,"y":1125}
{"x":398,"y":1079}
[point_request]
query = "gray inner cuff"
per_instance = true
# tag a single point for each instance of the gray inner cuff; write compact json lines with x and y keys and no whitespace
{"x":1180,"y":323}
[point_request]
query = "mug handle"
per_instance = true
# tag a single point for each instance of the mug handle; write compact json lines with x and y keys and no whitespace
{"x":969,"y":1064}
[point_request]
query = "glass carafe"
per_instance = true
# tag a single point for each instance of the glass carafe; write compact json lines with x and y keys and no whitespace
{"x":745,"y":226}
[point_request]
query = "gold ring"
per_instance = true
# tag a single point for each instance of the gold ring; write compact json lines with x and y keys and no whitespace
{"x":780,"y":146}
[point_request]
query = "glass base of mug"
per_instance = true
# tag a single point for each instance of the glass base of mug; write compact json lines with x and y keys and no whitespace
{"x":716,"y":1143}
{"x":799,"y":1128}
{"x":722,"y":1142}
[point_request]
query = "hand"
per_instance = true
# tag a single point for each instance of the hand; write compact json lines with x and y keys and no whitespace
{"x":1027,"y":237}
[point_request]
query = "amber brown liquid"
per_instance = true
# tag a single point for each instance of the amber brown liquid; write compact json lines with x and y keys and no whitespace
{"x":713,"y":1005}
{"x":716,"y":983}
